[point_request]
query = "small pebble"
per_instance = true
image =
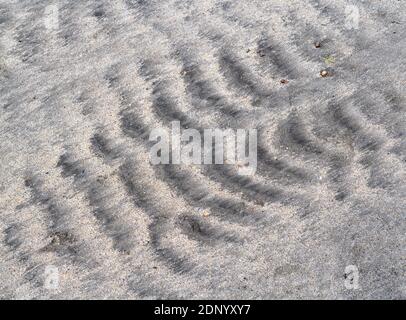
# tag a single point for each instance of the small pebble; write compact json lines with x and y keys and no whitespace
{"x":206,"y":213}
{"x":284,"y":81}
{"x":324,"y":73}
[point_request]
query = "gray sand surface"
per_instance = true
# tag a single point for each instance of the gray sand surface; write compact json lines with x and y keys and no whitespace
{"x":82,"y":83}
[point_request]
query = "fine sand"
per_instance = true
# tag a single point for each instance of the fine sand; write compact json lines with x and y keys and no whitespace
{"x":83,"y":213}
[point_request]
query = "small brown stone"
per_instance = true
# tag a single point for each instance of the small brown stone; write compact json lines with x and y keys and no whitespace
{"x":324,"y":73}
{"x":317,"y":44}
{"x":284,"y":81}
